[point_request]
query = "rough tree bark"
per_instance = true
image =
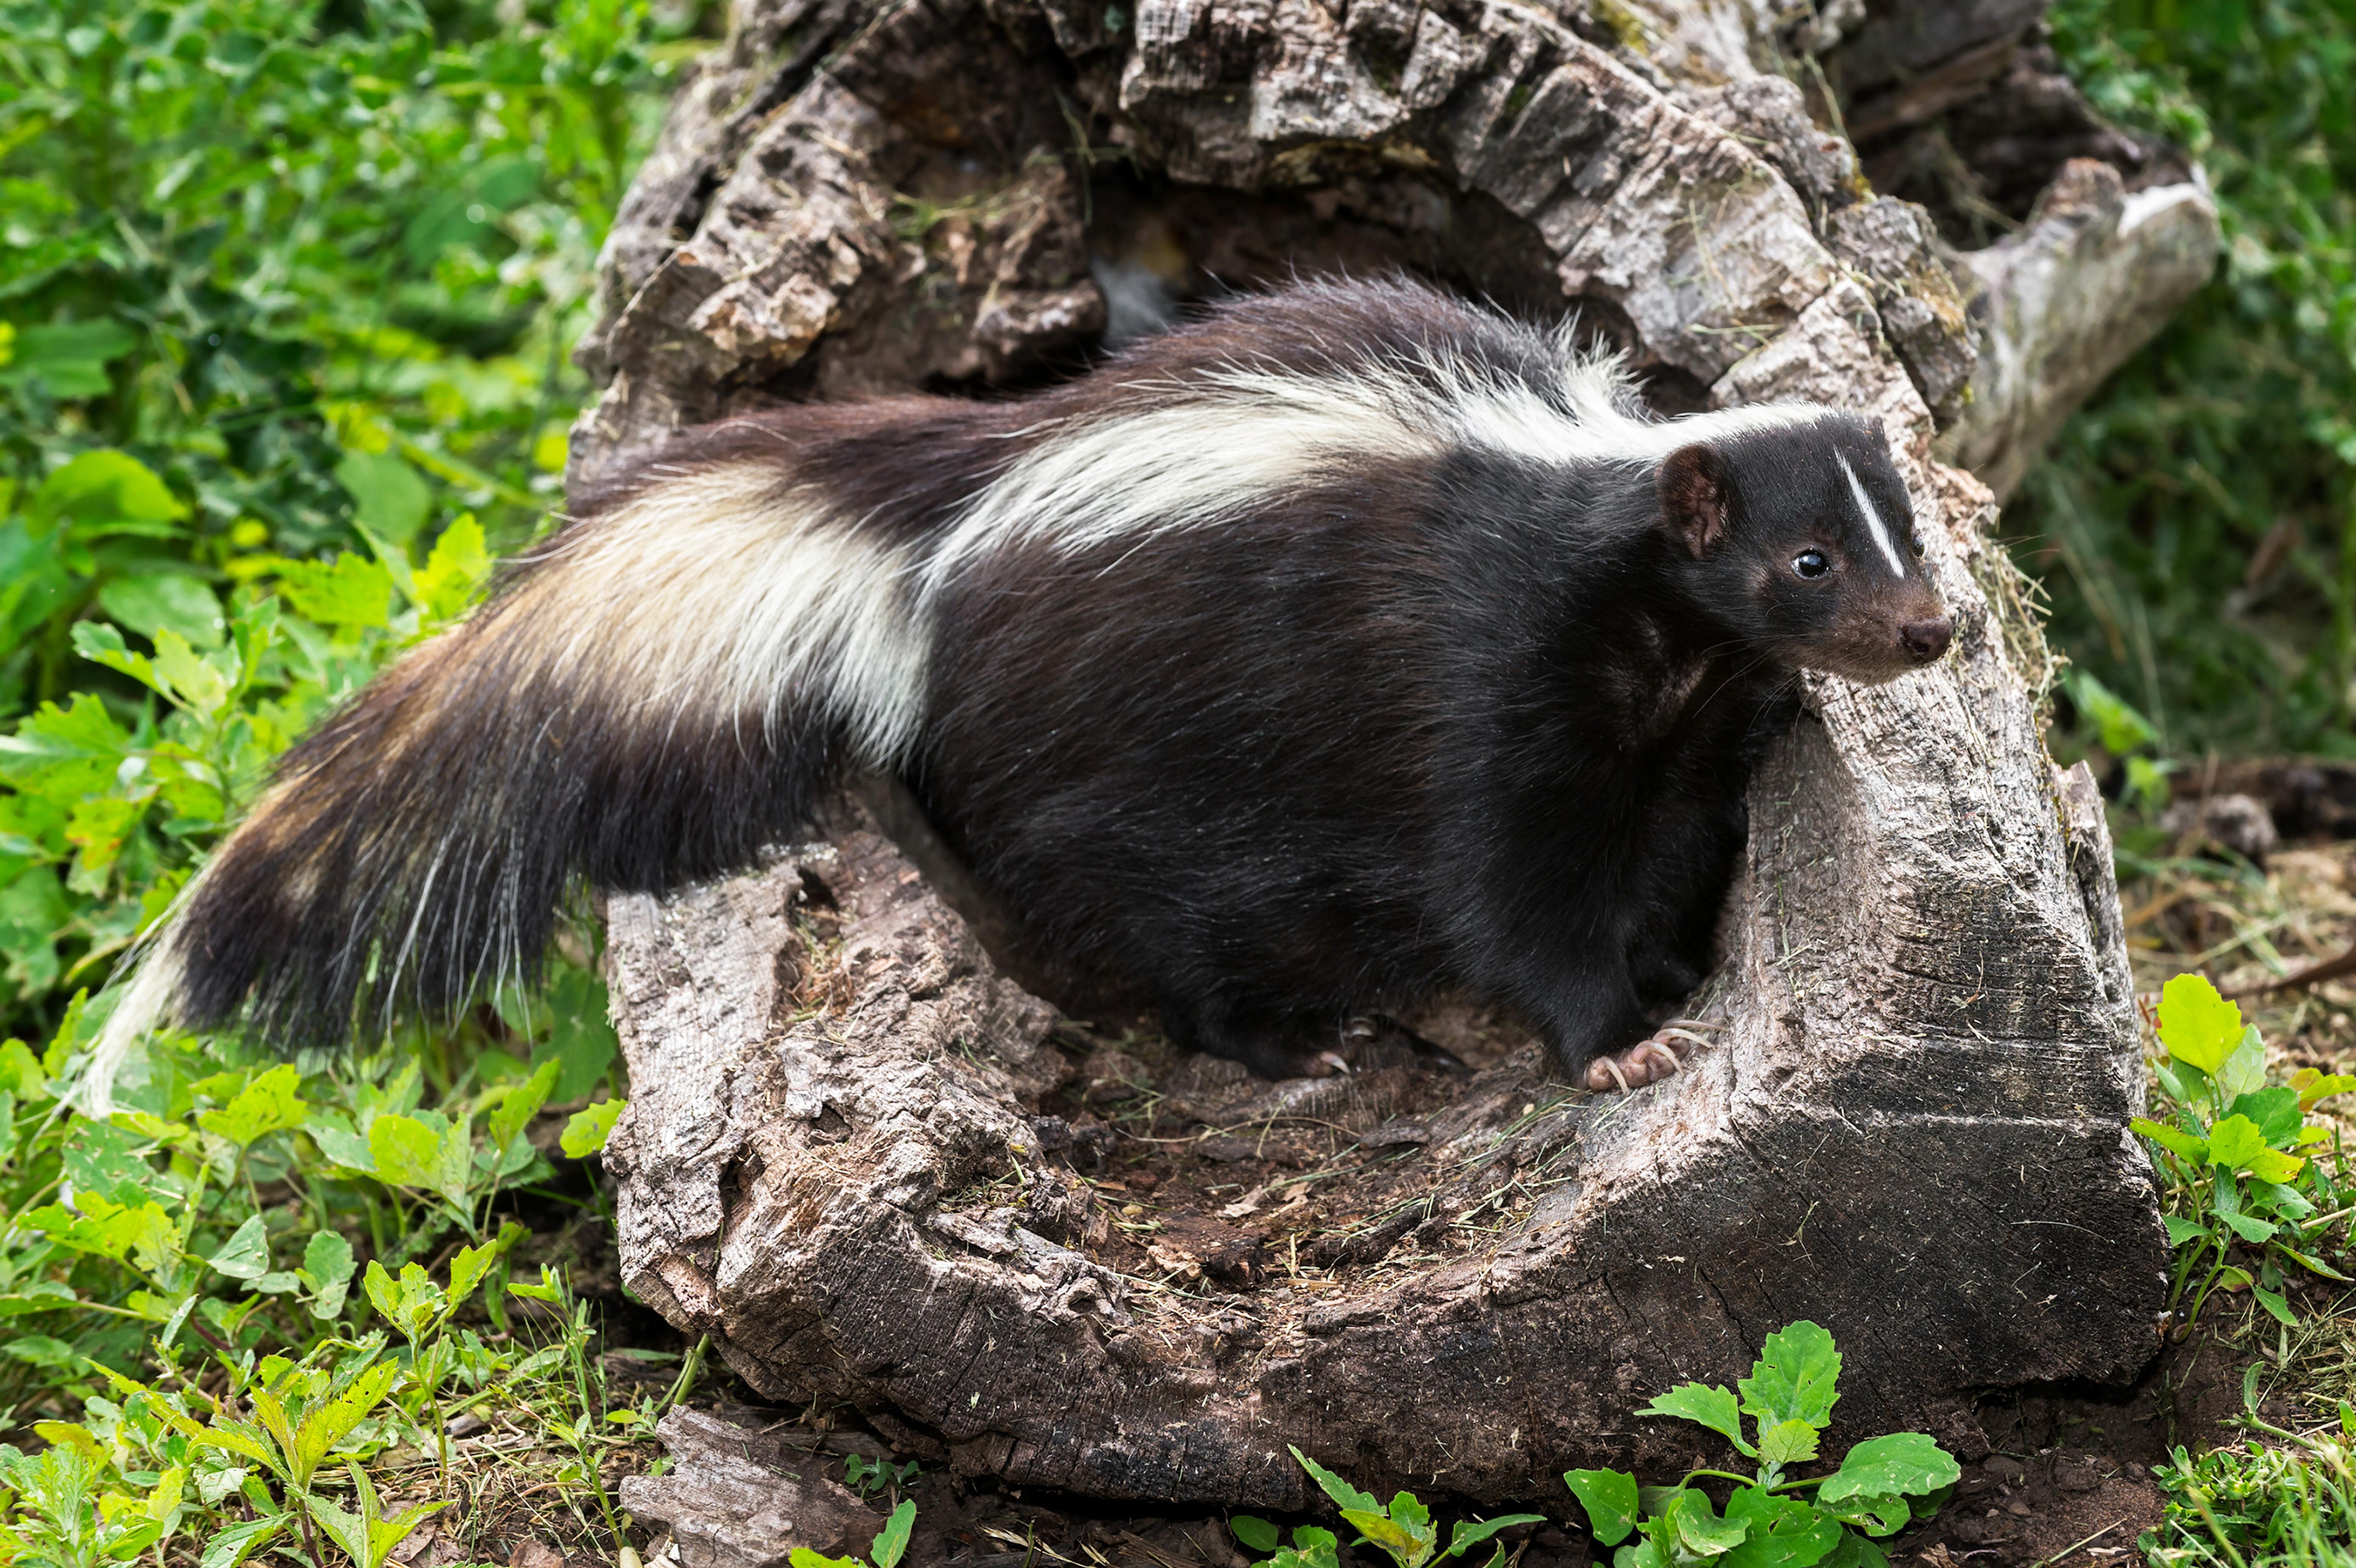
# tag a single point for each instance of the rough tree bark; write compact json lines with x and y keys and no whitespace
{"x":876,"y":1169}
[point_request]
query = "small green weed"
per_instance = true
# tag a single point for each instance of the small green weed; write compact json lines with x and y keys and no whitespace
{"x":2258,"y":1504}
{"x":869,"y":1477}
{"x":891,"y":1545}
{"x":1402,"y":1530}
{"x":2235,"y":1185}
{"x":1882,"y":1484}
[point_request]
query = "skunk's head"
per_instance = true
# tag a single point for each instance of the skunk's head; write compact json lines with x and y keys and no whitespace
{"x":1800,"y":539}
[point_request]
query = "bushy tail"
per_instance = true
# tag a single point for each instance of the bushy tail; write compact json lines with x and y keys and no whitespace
{"x":657,"y":692}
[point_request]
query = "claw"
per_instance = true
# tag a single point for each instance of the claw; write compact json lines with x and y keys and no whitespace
{"x":1670,"y":1031}
{"x":1608,"y":1065}
{"x":1334,"y":1059}
{"x":1691,"y":1023}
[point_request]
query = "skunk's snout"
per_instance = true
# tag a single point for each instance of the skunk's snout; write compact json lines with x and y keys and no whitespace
{"x":1926,"y":639}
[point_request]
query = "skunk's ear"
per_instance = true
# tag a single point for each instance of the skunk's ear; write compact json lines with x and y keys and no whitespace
{"x":1693,"y":498}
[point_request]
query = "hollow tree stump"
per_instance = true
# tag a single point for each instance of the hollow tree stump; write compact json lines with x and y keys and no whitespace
{"x":877,"y":1170}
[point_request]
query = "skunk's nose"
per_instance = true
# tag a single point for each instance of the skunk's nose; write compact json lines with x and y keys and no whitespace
{"x":1926,"y":640}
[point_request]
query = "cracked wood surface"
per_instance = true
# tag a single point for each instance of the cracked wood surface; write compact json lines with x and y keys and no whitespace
{"x":867,"y":1163}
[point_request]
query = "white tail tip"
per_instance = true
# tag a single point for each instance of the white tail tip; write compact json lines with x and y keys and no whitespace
{"x":146,"y":1002}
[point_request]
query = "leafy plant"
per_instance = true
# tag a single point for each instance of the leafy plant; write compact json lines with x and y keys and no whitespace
{"x":1770,"y":1521}
{"x":368,"y":1537}
{"x":287,"y":294}
{"x":1402,"y":1529}
{"x":890,"y":1545}
{"x":2236,"y":1184}
{"x":868,"y":1477}
{"x":2289,"y":1498}
{"x":2127,"y":736}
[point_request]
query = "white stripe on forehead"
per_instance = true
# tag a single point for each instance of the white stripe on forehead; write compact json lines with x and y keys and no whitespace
{"x":1872,"y":519}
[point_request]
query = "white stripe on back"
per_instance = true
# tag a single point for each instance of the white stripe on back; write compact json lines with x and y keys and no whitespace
{"x":1235,"y":435}
{"x":1872,"y":519}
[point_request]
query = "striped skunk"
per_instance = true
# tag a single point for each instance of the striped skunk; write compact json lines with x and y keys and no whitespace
{"x":1346,"y":645}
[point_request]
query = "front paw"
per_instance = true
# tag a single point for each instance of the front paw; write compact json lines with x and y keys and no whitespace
{"x":1649,"y":1060}
{"x":1644,"y":1063}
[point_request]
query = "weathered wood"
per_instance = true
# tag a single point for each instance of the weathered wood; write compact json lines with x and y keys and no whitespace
{"x":867,"y":1163}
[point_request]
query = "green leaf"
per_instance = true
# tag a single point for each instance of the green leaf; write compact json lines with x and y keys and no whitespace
{"x":268,"y":1104}
{"x":2244,"y":1072}
{"x":1786,"y":1443}
{"x":1856,"y":1551}
{"x":1642,"y":1553}
{"x":1253,"y":1533}
{"x":406,"y":1151}
{"x":2174,"y":1139}
{"x":104,"y":487}
{"x":241,"y":1439}
{"x":457,"y":568}
{"x":1712,"y":1407}
{"x":582,"y":1041}
{"x":2237,"y":1144}
{"x":2275,"y":1111}
{"x":1779,"y":1531}
{"x":246,"y":1254}
{"x":2121,"y":728}
{"x":1873,"y":1515}
{"x":68,"y":359}
{"x":1795,"y":1377}
{"x":1312,"y":1547}
{"x":2252,"y":1231}
{"x":586,"y":1132}
{"x":154,"y":602}
{"x":890,"y":1543}
{"x":229,"y":1548}
{"x":2234,"y":1141}
{"x":1903,"y":1463}
{"x":1470,"y":1533}
{"x":2312,"y":1086}
{"x":2182,"y":1230}
{"x":1698,"y":1529}
{"x":1346,"y":1496}
{"x":2314,"y":1265}
{"x":106,"y":1159}
{"x":348,"y":1531}
{"x":388,"y":498}
{"x":2198,"y":1026}
{"x":43,"y":1350}
{"x":409,"y":1303}
{"x":345,"y":1148}
{"x":513,"y":1114}
{"x":1610,"y":1498}
{"x":803,"y":1557}
{"x":1404,"y":1545}
{"x":352,"y":594}
{"x":471,"y":1263}
{"x":327,"y":1265}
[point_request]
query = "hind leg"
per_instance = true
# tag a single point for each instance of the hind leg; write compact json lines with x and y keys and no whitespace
{"x":1269,"y":1044}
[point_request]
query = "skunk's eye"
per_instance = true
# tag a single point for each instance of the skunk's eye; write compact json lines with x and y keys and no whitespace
{"x":1811,"y":563}
{"x":1919,"y":547}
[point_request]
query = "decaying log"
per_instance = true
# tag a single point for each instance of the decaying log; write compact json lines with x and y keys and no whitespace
{"x":877,"y":1170}
{"x":739,"y":1499}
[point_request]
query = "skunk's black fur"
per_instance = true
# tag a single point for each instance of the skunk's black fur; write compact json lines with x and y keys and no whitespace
{"x":1351,"y":644}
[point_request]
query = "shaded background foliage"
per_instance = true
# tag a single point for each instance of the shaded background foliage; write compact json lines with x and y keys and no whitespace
{"x":2196,"y":524}
{"x":315,"y":268}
